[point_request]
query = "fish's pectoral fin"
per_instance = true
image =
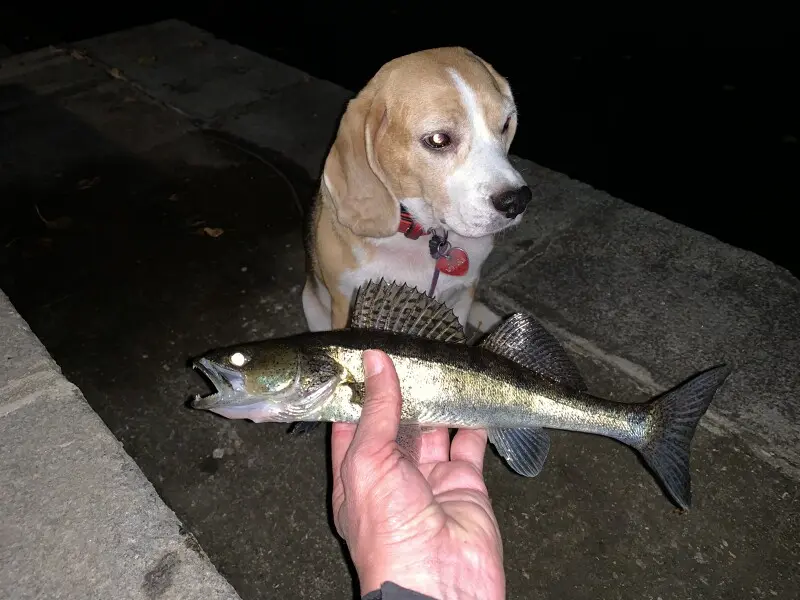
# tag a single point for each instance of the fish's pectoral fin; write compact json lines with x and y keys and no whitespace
{"x":524,"y":340}
{"x":347,"y":376}
{"x":525,"y":450}
{"x":303,"y":427}
{"x":357,"y":391}
{"x":409,"y":438}
{"x":404,"y":309}
{"x":409,"y":435}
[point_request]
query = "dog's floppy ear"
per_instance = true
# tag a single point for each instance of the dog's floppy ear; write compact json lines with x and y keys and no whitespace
{"x":361,"y":200}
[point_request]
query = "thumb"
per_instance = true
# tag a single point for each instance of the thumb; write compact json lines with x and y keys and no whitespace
{"x":380,"y":414}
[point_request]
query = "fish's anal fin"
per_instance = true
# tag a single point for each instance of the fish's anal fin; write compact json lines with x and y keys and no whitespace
{"x":409,"y":438}
{"x":525,"y":450}
{"x":522,"y":339}
{"x":402,"y":309}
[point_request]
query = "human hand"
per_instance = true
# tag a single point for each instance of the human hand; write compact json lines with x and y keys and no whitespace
{"x":430,"y":528}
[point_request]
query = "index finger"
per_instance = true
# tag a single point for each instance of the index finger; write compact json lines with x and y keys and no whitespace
{"x":341,"y":437}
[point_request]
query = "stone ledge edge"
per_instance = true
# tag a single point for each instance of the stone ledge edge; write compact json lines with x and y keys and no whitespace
{"x":45,"y":378}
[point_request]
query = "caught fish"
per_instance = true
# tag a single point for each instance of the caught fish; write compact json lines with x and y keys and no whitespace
{"x":515,"y":383}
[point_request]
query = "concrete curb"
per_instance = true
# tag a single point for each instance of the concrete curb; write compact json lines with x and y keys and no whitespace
{"x":79,"y":518}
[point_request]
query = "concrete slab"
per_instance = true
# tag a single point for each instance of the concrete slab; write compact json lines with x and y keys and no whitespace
{"x":55,"y":98}
{"x":595,"y":523}
{"x":190,"y":69}
{"x":47,"y":72}
{"x":659,"y":302}
{"x":226,"y":87}
{"x":558,"y":202}
{"x":300,"y":122}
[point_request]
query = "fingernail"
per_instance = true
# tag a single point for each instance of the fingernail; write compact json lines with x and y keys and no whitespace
{"x":373,"y":362}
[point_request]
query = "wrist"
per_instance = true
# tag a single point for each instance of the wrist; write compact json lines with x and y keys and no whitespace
{"x":432,"y":577}
{"x":418,"y":576}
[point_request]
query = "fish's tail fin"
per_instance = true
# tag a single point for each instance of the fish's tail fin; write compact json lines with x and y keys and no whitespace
{"x":671,"y":421}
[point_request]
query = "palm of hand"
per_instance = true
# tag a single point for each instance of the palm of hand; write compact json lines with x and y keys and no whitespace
{"x":430,"y":528}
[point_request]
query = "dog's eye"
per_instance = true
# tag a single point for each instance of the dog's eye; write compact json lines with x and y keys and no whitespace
{"x":437,"y":141}
{"x":505,"y":127}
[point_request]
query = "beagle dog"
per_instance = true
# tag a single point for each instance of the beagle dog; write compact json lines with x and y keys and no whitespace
{"x":415,"y":185}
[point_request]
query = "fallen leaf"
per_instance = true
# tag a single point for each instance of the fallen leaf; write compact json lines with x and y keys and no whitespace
{"x":79,"y":54}
{"x":174,"y":197}
{"x":116,"y":73}
{"x":147,"y":60}
{"x":85,"y":184}
{"x":214,"y":232}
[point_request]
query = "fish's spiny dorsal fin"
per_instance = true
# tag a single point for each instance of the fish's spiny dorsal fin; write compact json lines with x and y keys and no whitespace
{"x":402,"y":309}
{"x":525,"y":341}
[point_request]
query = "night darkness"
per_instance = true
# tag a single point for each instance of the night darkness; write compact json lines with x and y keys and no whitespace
{"x":701,"y":128}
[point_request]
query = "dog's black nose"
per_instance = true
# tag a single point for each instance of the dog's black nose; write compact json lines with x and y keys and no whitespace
{"x":512,"y":202}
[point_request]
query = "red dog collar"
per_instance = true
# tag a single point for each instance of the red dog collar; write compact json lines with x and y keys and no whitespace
{"x":409,"y":227}
{"x":449,"y":260}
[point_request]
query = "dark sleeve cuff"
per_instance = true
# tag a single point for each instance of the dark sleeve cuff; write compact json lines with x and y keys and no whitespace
{"x":391,"y":591}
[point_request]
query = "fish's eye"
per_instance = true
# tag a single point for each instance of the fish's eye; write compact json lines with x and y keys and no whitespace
{"x":437,"y":141}
{"x":238,"y":359}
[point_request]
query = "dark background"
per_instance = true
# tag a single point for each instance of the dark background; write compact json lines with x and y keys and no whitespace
{"x":699,"y":127}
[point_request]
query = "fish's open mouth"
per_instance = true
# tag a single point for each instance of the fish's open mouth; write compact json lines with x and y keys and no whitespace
{"x":227,"y":384}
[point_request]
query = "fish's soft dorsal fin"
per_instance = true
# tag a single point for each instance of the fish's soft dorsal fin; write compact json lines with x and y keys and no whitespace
{"x":403,"y":309}
{"x":522,"y":339}
{"x":525,"y":450}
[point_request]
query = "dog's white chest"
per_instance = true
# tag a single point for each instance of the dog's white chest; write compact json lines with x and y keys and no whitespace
{"x":409,"y":261}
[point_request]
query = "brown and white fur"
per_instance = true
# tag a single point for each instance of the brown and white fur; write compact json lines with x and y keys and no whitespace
{"x":382,"y":156}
